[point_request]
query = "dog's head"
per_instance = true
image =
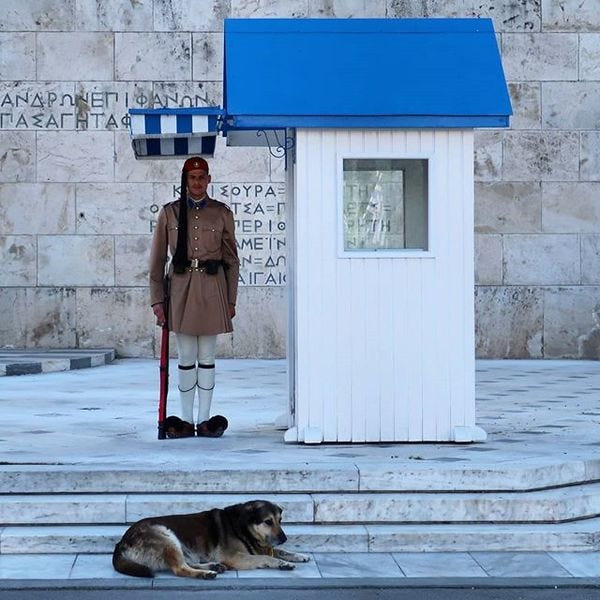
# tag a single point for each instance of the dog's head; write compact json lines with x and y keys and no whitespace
{"x":263,"y":520}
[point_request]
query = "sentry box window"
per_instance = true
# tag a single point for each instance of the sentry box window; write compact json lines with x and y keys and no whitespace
{"x":384,"y":206}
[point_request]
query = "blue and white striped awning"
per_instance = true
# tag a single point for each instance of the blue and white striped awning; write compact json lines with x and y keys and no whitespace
{"x":174,"y":132}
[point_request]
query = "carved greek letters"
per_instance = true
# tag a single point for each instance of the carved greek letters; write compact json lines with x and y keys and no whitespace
{"x":34,"y":106}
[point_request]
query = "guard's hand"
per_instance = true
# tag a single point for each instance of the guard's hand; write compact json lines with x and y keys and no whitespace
{"x":231,"y":311}
{"x":159,"y":313}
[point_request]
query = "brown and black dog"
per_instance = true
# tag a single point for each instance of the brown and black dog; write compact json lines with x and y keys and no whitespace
{"x":242,"y":536}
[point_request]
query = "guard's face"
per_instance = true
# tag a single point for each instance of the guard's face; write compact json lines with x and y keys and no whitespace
{"x":197,"y":182}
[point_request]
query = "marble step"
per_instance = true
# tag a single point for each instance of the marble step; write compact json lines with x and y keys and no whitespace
{"x":274,"y":478}
{"x":580,"y":536}
{"x":551,"y":506}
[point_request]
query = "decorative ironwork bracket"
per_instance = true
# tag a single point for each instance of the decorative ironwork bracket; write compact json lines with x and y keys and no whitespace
{"x":277,"y":148}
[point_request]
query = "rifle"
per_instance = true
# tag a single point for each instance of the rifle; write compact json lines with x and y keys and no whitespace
{"x":164,"y":365}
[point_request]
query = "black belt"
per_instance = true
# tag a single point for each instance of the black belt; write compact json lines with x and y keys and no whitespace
{"x":211,"y":267}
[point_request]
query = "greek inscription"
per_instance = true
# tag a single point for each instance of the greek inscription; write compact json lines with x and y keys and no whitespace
{"x":33,"y":108}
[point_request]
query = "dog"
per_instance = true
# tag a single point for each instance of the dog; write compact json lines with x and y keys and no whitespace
{"x":204,"y":544}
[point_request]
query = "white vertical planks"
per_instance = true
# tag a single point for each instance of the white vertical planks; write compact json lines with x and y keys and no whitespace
{"x":384,"y":347}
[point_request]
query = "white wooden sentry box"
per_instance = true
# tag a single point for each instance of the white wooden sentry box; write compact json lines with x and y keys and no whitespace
{"x":376,"y":119}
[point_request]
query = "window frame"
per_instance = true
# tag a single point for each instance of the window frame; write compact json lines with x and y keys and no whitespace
{"x":385,"y":252}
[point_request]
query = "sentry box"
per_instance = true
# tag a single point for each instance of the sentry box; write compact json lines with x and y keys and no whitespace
{"x":375,"y":120}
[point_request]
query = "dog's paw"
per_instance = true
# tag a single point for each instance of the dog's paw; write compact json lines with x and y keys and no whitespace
{"x":218,"y":567}
{"x":209,"y":575}
{"x":286,"y":566}
{"x":302,"y":558}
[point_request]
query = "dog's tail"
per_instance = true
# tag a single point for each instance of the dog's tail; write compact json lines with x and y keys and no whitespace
{"x":125,"y":565}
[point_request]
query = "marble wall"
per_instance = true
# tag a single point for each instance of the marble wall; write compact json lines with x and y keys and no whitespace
{"x":76,"y":209}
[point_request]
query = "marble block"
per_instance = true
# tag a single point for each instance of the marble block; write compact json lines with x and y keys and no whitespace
{"x":115,"y":318}
{"x":507,"y":207}
{"x":87,"y":52}
{"x":261,"y":322}
{"x":18,"y":266}
{"x":347,"y":9}
{"x":589,"y":56}
{"x":545,"y":156}
{"x":60,"y":539}
{"x":488,"y":155}
{"x":76,"y":260}
{"x":131,"y":260}
{"x":54,"y":214}
{"x":57,"y":566}
{"x":13,"y":331}
{"x":568,"y":314}
{"x":589,"y":163}
{"x":488,"y":259}
{"x":327,"y":538}
{"x":570,"y":15}
{"x":522,"y":476}
{"x":50,"y":315}
{"x":153,"y":56}
{"x":571,"y":207}
{"x":590,"y":259}
{"x":239,"y":479}
{"x":115,"y":208}
{"x":18,"y":152}
{"x":526,"y":99}
{"x":17,"y":59}
{"x":473,"y":538}
{"x":39,"y":15}
{"x":357,"y":564}
{"x":578,"y":564}
{"x":571,"y":105}
{"x":521,"y":16}
{"x":509,"y":322}
{"x":38,"y":105}
{"x":507,"y":564}
{"x":183,"y":94}
{"x":298,"y":508}
{"x":529,"y":507}
{"x":114,"y":15}
{"x":181,"y":15}
{"x":269,"y":8}
{"x":438,"y":564}
{"x":550,"y":56}
{"x":105,"y":104}
{"x":208,"y":56}
{"x":536,"y":259}
{"x":60,"y":509}
{"x":64,"y":156}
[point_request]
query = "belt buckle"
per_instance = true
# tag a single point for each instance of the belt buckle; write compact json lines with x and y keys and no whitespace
{"x":195,"y":263}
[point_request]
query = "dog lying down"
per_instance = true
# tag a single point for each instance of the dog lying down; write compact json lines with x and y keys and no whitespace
{"x":238,"y":537}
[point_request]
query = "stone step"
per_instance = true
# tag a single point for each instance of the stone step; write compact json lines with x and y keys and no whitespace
{"x":363,"y":476}
{"x":545,"y":506}
{"x":577,"y":536}
{"x":31,"y":360}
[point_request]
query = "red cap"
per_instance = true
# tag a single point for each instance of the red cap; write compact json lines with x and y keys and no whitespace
{"x":196,"y":162}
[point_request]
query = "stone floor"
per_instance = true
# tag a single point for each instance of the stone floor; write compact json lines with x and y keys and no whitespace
{"x":337,"y":565}
{"x":534,"y":412}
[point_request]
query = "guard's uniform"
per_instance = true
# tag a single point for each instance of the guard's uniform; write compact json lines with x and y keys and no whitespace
{"x":198,"y":301}
{"x":199,"y":296}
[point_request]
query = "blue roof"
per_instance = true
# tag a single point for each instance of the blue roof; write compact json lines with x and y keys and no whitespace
{"x":363,"y":73}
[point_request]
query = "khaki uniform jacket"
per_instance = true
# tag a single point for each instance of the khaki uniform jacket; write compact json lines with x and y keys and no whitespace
{"x":198,"y":301}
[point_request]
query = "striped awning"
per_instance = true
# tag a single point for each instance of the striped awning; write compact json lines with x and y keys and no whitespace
{"x":174,"y":132}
